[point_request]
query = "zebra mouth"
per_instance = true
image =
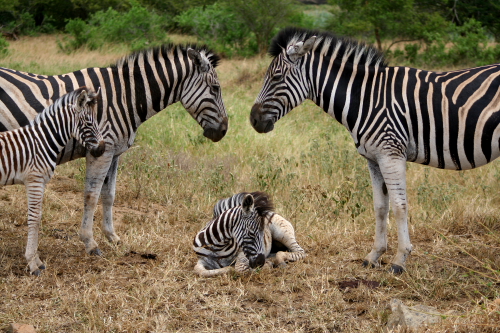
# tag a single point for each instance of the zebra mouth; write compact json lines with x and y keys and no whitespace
{"x":257,"y":261}
{"x":216,"y":134}
{"x":97,"y":150}
{"x":263,"y":126}
{"x":258,"y":121}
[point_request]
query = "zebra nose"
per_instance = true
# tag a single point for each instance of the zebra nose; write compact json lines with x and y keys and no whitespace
{"x":258,"y":121}
{"x":259,"y":261}
{"x":98,"y":150}
{"x":216,"y":134}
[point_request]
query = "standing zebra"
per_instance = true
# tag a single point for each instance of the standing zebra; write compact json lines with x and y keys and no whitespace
{"x":136,"y":88}
{"x":278,"y":233}
{"x":28,"y":155}
{"x":448,"y":120}
{"x":236,"y":236}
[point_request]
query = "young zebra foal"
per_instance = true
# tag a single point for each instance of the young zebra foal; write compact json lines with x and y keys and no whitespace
{"x":28,"y":155}
{"x":277,"y":233}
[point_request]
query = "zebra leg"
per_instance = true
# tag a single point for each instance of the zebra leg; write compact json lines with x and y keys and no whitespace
{"x":283,"y":232}
{"x":35,"y":189}
{"x":381,"y":207}
{"x":97,"y":169}
{"x":394,"y":172}
{"x":108,"y":192}
{"x":203,"y":272}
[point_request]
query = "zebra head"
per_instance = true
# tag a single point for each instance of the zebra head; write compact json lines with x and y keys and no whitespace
{"x":251,"y":229}
{"x":285,"y":85}
{"x":87,"y":131}
{"x":202,"y":95}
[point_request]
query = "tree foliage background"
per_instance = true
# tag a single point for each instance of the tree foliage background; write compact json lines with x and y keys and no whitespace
{"x":437,"y":32}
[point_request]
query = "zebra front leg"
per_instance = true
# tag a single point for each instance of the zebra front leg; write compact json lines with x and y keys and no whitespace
{"x":108,"y":193}
{"x":35,"y":189}
{"x":394,"y":172}
{"x":97,"y":168}
{"x":203,"y":272}
{"x":381,"y":207}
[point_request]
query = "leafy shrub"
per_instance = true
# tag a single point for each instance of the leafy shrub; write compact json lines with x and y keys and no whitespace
{"x":218,"y":27}
{"x":463,"y":46}
{"x":4,"y":47}
{"x":137,"y":27}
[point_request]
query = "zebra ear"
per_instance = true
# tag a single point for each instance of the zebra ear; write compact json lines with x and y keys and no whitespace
{"x":82,"y":100}
{"x":300,"y":49}
{"x":247,"y":203}
{"x":201,"y":62}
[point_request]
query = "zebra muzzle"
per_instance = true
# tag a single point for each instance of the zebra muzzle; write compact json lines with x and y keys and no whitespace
{"x":258,"y":121}
{"x":216,"y":134}
{"x":258,"y":261}
{"x":98,"y":150}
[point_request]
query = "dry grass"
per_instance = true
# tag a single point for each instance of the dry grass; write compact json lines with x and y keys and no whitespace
{"x":168,"y":183}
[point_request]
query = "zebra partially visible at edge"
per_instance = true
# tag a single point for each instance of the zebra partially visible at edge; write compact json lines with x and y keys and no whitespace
{"x":28,"y":155}
{"x":448,"y":120}
{"x":278,"y":233}
{"x":133,"y":90}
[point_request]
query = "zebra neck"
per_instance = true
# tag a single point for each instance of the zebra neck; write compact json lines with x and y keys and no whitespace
{"x":151,"y":89}
{"x":343,"y":89}
{"x":52,"y":133}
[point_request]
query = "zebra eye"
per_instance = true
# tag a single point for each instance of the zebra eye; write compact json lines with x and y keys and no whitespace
{"x":277,"y":77}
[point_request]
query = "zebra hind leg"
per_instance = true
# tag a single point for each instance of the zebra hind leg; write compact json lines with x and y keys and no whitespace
{"x":282,"y":232}
{"x":108,"y":192}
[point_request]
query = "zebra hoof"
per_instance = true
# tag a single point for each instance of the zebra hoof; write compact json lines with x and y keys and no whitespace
{"x":36,"y":272}
{"x":282,"y":265}
{"x":368,"y":264}
{"x":396,"y":269}
{"x":42,"y":266}
{"x":96,"y":252}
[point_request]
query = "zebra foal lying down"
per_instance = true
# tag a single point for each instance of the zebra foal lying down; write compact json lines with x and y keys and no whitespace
{"x":243,"y":232}
{"x":28,"y":155}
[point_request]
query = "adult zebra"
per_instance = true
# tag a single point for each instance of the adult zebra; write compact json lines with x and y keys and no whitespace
{"x":134,"y":89}
{"x":447,"y":120}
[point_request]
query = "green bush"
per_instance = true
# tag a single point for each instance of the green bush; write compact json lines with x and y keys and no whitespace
{"x":137,"y":27}
{"x":461,"y":46}
{"x":4,"y":47}
{"x":219,"y":27}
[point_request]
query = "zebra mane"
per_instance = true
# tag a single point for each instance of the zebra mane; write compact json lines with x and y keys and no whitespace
{"x":166,"y":50}
{"x":263,"y":203}
{"x":326,"y":44}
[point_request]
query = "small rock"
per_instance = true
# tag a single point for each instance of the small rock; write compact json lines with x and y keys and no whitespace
{"x":411,"y":317}
{"x":21,"y":328}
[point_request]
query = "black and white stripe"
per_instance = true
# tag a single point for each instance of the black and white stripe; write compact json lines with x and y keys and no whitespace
{"x":447,"y":120}
{"x":235,"y":234}
{"x":133,"y":90}
{"x":28,"y":155}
